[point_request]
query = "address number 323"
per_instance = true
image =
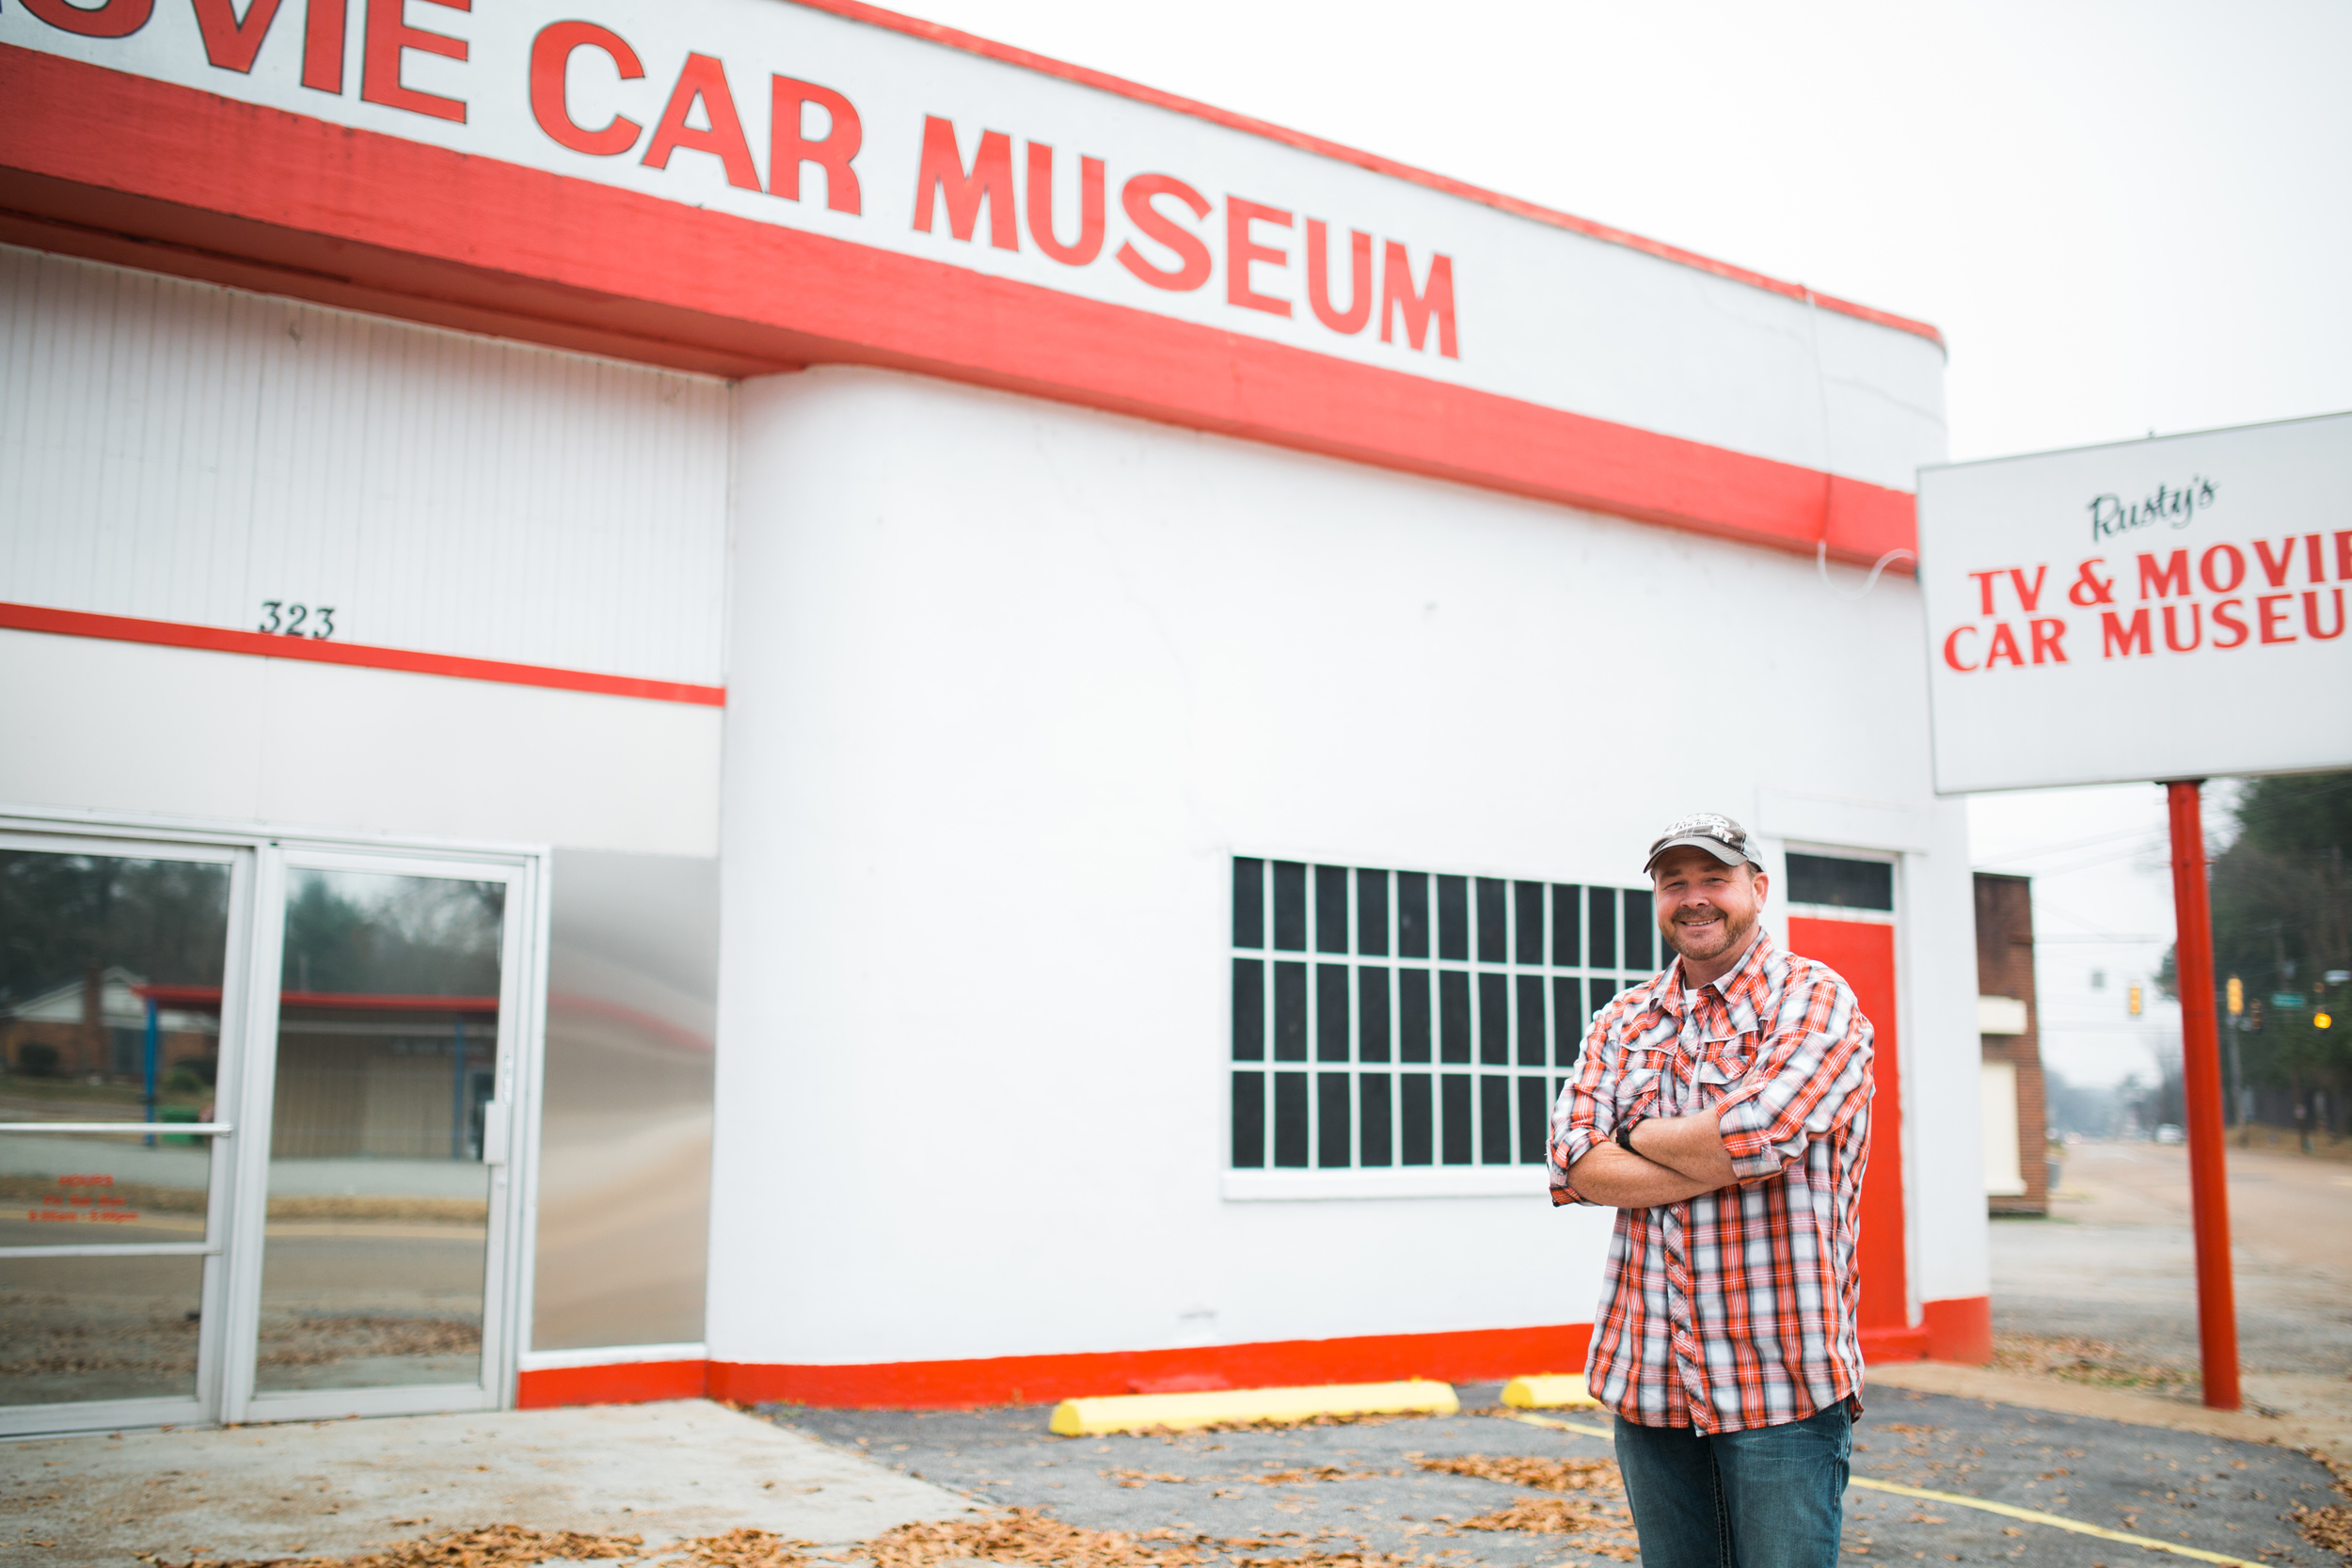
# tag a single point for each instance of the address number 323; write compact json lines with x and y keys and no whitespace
{"x":281,"y":619}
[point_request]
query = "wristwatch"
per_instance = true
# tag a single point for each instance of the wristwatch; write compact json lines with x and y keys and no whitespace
{"x":1624,"y":1133}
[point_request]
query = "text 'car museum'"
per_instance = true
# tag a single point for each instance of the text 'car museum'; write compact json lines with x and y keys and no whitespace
{"x":748,"y":697}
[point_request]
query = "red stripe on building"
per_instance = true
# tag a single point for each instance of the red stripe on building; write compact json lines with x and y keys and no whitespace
{"x":147,"y":174}
{"x":173,"y":634}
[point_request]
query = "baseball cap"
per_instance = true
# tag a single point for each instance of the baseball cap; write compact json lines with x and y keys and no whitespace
{"x":1712,"y":832}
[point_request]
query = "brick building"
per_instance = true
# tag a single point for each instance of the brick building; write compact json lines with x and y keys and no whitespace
{"x":2016,"y":1105}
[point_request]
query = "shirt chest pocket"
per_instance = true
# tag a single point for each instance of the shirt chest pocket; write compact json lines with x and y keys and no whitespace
{"x":1714,"y":1078}
{"x":1640,"y":1075}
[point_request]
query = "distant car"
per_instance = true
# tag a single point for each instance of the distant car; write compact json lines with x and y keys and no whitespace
{"x":2168,"y":1133}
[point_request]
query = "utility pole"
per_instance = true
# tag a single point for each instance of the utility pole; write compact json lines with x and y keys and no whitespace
{"x":2237,"y":1091}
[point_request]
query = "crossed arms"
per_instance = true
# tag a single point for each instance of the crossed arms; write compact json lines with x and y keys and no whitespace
{"x":1811,"y":1073}
{"x":1675,"y":1158}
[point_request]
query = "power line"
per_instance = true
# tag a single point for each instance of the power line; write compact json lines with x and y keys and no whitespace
{"x":2143,"y":834}
{"x":2071,"y":843}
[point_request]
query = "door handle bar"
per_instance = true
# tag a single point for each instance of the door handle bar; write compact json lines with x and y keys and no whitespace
{"x":177,"y":1129}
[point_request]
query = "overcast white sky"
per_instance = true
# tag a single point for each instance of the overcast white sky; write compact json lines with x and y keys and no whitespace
{"x":2124,"y":217}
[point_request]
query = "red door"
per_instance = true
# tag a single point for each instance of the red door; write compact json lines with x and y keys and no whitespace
{"x":1863,"y":953}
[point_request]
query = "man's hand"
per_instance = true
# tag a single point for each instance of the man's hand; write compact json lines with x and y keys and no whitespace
{"x":1675,"y":1158}
{"x":1691,"y":1146}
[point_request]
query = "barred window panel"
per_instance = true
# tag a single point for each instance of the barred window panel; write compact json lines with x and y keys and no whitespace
{"x":1375,"y":1122}
{"x":1441,"y":1018}
{"x":1249,"y":1121}
{"x":1413,"y":1122}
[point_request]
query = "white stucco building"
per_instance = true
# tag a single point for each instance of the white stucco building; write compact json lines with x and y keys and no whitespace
{"x":768,"y":797}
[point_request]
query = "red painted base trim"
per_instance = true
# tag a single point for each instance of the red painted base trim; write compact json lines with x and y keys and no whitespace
{"x":1959,"y":1329}
{"x":150,"y":174}
{"x":1951,"y":1331}
{"x":631,"y":1382}
{"x":173,"y":634}
{"x":1881,"y":1346}
{"x":1471,"y":1357}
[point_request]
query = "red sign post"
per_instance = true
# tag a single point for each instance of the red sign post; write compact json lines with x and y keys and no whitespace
{"x":2200,"y":1085}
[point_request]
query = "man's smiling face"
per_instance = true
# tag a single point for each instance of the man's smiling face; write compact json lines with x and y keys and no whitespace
{"x":1705,"y":909}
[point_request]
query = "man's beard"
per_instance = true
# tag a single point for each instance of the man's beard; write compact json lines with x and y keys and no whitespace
{"x":1737,"y":930}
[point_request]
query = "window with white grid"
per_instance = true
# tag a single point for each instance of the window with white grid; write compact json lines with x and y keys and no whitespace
{"x":1411,"y":1017}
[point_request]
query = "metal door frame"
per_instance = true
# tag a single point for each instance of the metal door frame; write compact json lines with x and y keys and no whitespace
{"x":237,"y":1203}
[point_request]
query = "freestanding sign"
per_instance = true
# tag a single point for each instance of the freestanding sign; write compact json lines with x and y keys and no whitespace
{"x":2168,"y":609}
{"x":2165,"y":608}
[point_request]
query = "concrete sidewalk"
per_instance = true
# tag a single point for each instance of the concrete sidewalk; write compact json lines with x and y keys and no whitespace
{"x":334,"y":1488}
{"x":2312,"y":1411}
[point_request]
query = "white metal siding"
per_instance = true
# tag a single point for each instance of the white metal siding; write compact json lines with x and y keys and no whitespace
{"x":178,"y":451}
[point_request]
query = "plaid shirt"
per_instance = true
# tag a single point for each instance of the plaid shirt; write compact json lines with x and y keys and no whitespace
{"x":1735,"y":1309}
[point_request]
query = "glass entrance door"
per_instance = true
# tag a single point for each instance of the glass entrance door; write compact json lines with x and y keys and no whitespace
{"x":254,"y":1108}
{"x":115,"y":982}
{"x":377,"y":1286}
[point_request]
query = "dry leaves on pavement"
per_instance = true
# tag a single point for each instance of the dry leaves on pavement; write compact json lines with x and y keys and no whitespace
{"x":1544,"y":1475}
{"x":2072,"y":1358}
{"x":1295,"y":1476}
{"x":1368,"y":1418}
{"x":2329,"y":1529}
{"x":491,"y":1546}
{"x":1143,"y":1477}
{"x":1601,"y":1521}
{"x":1541,"y":1516}
{"x":743,"y":1547}
{"x":1018,"y":1535}
{"x":1607,"y":1531}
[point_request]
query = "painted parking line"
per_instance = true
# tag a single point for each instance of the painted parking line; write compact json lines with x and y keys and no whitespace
{"x":2007,"y":1511}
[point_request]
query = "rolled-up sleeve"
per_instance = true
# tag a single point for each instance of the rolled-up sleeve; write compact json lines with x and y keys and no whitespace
{"x":1810,"y":1077}
{"x":1585,"y":1113}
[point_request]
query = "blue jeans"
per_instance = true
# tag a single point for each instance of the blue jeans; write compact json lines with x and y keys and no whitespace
{"x":1769,"y":1498}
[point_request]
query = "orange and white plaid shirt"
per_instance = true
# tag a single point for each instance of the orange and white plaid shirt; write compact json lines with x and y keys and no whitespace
{"x":1735,"y":1309}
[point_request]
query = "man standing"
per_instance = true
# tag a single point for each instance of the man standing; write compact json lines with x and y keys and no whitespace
{"x":1723,"y":1108}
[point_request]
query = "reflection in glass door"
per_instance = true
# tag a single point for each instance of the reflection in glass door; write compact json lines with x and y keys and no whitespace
{"x":112,"y":964}
{"x":385,"y":1131}
{"x":254,"y":1114}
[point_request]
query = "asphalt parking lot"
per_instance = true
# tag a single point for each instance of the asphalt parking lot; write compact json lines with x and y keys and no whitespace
{"x":1330,"y":1491}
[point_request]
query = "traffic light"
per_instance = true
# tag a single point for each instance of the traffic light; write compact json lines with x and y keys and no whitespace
{"x":2135,"y":1001}
{"x":2322,"y":1021}
{"x":2237,"y":996}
